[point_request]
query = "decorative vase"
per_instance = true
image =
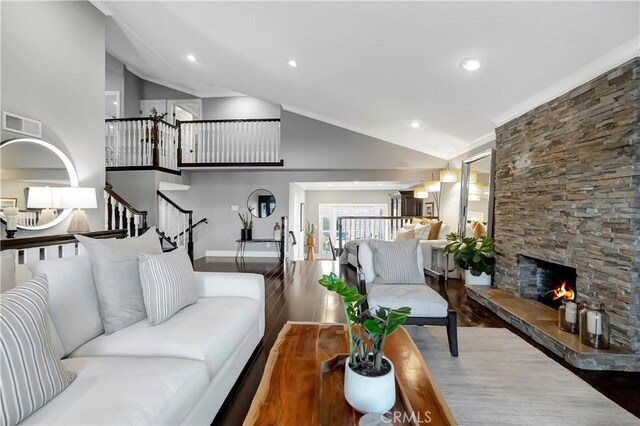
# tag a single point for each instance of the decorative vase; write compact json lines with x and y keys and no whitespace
{"x":370,"y":394}
{"x":568,"y":316}
{"x":311,"y":241}
{"x":249,"y":233}
{"x":482,"y":279}
{"x":243,"y":234}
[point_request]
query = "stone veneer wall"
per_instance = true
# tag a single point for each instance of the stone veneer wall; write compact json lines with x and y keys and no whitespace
{"x":568,"y":191}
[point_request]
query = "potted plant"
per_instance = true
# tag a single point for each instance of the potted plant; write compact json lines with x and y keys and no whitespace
{"x":247,"y":226}
{"x":310,"y":232}
{"x":369,"y":381}
{"x":155,"y":117}
{"x":475,"y":255}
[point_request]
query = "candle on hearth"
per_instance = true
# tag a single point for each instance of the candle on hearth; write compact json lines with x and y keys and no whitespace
{"x":594,"y":322}
{"x":571,"y":312}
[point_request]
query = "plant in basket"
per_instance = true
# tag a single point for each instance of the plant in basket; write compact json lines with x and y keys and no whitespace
{"x":369,"y":382}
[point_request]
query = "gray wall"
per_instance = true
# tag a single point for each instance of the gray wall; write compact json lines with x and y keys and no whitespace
{"x":53,"y":67}
{"x":114,"y":78}
{"x":152,"y":90}
{"x":132,"y":94}
{"x":312,"y":144}
{"x":213,"y":193}
{"x":238,"y":107}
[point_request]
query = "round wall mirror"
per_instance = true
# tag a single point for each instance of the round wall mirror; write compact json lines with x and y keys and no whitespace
{"x":261,"y":203}
{"x":29,"y":169}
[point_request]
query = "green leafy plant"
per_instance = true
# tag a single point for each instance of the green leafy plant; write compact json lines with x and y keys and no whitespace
{"x":247,"y":221}
{"x":477,"y":255}
{"x":365,"y":355}
{"x":310,"y":230}
{"x":155,"y":116}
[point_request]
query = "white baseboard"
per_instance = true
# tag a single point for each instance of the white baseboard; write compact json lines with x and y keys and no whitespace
{"x":247,"y":253}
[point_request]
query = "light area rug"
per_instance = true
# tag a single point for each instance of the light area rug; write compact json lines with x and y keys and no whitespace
{"x":499,"y":379}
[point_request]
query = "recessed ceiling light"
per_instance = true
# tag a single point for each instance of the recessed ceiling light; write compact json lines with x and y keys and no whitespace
{"x":414,"y":124}
{"x":330,"y":185}
{"x":356,"y":183}
{"x":115,"y":103}
{"x":470,"y":64}
{"x":292,"y":63}
{"x":191,"y":58}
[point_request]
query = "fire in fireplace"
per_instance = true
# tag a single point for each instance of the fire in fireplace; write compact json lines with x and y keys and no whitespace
{"x":550,"y":283}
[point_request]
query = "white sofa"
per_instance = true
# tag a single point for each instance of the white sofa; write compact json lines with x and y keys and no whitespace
{"x":178,"y":372}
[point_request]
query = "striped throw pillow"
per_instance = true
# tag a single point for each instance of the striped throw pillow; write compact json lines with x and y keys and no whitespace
{"x":30,"y":373}
{"x":168,"y":284}
{"x":396,"y":262}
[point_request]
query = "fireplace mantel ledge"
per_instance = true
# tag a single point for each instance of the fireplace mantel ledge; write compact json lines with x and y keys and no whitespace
{"x":540,"y":323}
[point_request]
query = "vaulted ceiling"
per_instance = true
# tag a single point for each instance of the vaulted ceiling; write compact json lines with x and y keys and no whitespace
{"x":374,"y":67}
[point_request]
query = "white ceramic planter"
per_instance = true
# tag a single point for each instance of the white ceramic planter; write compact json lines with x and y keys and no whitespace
{"x":483,"y":279}
{"x":370,"y":394}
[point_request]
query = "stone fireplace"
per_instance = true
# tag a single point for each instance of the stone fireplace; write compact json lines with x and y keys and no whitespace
{"x":546,"y":282}
{"x":567,"y":193}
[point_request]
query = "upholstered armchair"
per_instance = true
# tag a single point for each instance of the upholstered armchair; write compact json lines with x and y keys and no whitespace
{"x":392,"y":274}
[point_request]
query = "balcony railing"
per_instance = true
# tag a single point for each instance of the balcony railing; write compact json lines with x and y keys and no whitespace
{"x":141,"y":142}
{"x":134,"y":143}
{"x":229,"y":142}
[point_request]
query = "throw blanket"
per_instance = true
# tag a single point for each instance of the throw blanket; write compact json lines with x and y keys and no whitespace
{"x":350,"y":247}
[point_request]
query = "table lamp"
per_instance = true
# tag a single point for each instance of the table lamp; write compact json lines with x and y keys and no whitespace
{"x":45,"y":198}
{"x":11,"y":214}
{"x":78,"y":198}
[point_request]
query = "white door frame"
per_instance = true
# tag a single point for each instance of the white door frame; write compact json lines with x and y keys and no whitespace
{"x":115,"y":93}
{"x":172,"y":103}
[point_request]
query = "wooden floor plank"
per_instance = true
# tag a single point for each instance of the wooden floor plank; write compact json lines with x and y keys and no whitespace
{"x":292,"y":292}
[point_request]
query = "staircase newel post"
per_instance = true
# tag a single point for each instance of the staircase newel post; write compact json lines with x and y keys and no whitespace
{"x":179,"y":143}
{"x":154,"y":145}
{"x":190,"y":242}
{"x":143,"y":225}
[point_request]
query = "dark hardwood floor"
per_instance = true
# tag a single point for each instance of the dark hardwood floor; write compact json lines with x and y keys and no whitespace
{"x":292,"y":293}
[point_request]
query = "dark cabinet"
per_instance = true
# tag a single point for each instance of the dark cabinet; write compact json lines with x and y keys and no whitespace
{"x":404,"y":204}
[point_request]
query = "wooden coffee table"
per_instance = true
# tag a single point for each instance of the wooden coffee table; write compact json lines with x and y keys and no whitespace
{"x":295,"y":391}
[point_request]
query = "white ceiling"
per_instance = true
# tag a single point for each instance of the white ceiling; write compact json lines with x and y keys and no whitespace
{"x":375,"y":66}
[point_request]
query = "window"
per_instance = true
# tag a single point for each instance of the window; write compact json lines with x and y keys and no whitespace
{"x":352,"y":229}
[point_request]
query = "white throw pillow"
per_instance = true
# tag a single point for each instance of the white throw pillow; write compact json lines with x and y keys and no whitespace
{"x":30,"y":372}
{"x":73,"y":302}
{"x":405,"y":234}
{"x":117,"y":277}
{"x":8,"y":270}
{"x":422,"y":231}
{"x":444,"y":230}
{"x":168,"y":284}
{"x":409,"y":226}
{"x":396,"y":262}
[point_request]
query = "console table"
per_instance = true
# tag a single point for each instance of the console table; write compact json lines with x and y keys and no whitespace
{"x":242,"y":244}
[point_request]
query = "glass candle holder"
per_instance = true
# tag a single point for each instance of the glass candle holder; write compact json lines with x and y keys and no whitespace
{"x":568,"y":317}
{"x":594,"y":326}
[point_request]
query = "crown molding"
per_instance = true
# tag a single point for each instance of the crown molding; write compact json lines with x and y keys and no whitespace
{"x":489,"y":137}
{"x":606,"y":62}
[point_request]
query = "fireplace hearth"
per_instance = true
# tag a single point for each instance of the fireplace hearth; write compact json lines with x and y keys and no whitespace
{"x":547,"y":282}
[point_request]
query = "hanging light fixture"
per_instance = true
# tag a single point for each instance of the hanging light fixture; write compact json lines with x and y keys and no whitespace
{"x":475,"y":191}
{"x":433,"y":187}
{"x":449,"y":175}
{"x":420,"y":191}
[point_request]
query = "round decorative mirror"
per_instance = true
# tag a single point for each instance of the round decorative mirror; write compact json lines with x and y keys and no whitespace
{"x":29,"y":169}
{"x":261,"y":203}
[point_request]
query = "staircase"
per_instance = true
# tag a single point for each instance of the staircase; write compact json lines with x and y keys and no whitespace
{"x":175,"y":224}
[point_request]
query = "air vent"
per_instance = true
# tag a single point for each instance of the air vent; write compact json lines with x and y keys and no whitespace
{"x":19,"y":124}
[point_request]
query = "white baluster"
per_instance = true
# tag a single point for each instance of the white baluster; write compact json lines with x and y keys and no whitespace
{"x":106,"y":209}
{"x":68,"y":250}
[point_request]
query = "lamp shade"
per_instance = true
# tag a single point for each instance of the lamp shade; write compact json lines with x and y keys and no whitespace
{"x":420,"y":192}
{"x":43,"y":197}
{"x":449,"y":175}
{"x":78,"y":198}
{"x":432,"y":186}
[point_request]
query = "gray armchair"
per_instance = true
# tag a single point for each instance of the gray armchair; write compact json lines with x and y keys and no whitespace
{"x":428,"y":307}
